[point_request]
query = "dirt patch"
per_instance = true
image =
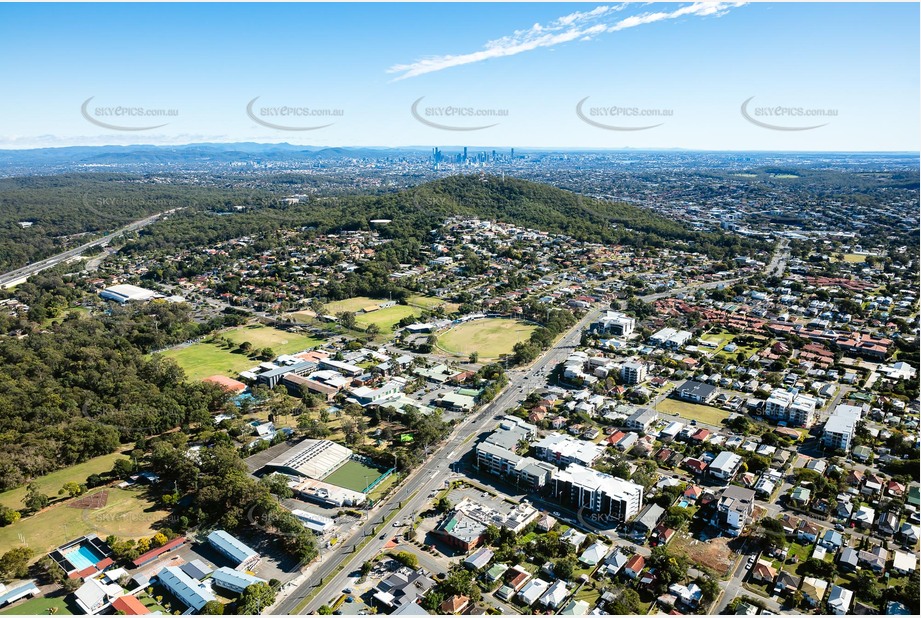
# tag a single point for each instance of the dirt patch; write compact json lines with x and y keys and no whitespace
{"x":90,"y":501}
{"x":713,"y":554}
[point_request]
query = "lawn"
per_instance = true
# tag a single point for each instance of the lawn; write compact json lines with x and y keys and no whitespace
{"x":490,"y":338}
{"x":693,"y":411}
{"x":51,"y":483}
{"x":128,"y":513}
{"x":720,"y":339}
{"x":855,"y":258}
{"x":428,"y":302}
{"x":39,"y":606}
{"x":385,"y":318}
{"x":280,"y":341}
{"x":202,"y":359}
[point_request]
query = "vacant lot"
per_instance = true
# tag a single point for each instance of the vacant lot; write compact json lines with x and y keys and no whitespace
{"x":128,"y":513}
{"x":693,"y":411}
{"x":51,"y":483}
{"x":202,"y":359}
{"x":713,"y":554}
{"x":490,"y":338}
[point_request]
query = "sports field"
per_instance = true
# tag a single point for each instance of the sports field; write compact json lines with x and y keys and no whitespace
{"x":693,"y":411}
{"x":201,"y":359}
{"x":51,"y":483}
{"x":354,"y":475}
{"x":127,"y":514}
{"x":385,"y":318}
{"x":429,"y":302}
{"x":353,"y":305}
{"x":490,"y":338}
{"x":281,"y":342}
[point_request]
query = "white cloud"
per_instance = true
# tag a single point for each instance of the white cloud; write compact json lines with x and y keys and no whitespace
{"x":580,"y":25}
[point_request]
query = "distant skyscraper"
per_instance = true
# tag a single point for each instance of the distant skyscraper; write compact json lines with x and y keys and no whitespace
{"x":465,"y":154}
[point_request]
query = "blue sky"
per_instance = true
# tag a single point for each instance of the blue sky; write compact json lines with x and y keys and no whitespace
{"x":685,"y":67}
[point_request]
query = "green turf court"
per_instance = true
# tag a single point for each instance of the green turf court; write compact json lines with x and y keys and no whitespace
{"x":354,"y":475}
{"x":490,"y":338}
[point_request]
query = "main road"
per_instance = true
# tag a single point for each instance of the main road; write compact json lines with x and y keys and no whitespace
{"x":20,"y":274}
{"x":414,"y":491}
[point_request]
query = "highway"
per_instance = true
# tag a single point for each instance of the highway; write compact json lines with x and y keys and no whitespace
{"x":36,"y":267}
{"x":413,"y":494}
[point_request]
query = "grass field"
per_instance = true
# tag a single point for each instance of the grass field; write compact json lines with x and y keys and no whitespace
{"x":855,"y":258}
{"x":386,"y":318}
{"x":353,"y":475}
{"x":39,"y":606}
{"x":693,"y":411}
{"x":201,"y":359}
{"x":280,"y":341}
{"x":491,"y":338}
{"x":353,"y":305}
{"x":128,"y":514}
{"x":51,"y":483}
{"x":428,"y":302}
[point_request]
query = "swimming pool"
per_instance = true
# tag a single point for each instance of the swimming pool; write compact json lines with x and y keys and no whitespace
{"x":683,"y":504}
{"x":83,"y":557}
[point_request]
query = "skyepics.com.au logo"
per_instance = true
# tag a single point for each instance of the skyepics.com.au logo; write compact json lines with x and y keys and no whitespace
{"x":456,"y":117}
{"x":785,"y":117}
{"x":125,"y":117}
{"x":291,"y":117}
{"x":622,"y":118}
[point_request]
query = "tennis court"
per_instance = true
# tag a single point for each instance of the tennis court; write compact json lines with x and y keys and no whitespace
{"x":354,"y":475}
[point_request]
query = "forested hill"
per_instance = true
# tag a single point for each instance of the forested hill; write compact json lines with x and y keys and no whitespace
{"x":415,"y":211}
{"x":555,"y":210}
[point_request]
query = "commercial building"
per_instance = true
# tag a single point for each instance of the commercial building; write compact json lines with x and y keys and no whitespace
{"x":839,"y":429}
{"x":563,"y":450}
{"x":239,"y":553}
{"x":614,"y":323}
{"x":233,"y":580}
{"x":598,"y":492}
{"x":366,"y":396}
{"x":190,"y":592}
{"x":272,"y":377}
{"x":125,"y":293}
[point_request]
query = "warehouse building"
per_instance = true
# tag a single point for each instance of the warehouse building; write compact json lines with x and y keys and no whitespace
{"x":239,"y":553}
{"x":314,"y":459}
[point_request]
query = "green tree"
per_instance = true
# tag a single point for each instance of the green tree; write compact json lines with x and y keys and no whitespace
{"x":35,"y":500}
{"x":213,"y":608}
{"x":14,"y":563}
{"x":255,"y":598}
